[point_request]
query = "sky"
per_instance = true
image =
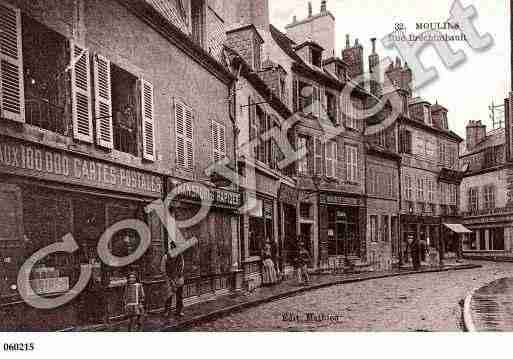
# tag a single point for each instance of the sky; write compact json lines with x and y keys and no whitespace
{"x":466,"y":91}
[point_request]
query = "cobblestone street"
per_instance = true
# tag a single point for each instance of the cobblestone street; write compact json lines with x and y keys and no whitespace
{"x":424,"y":302}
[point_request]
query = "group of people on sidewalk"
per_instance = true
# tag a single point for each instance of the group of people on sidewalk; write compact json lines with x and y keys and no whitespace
{"x":173,"y":267}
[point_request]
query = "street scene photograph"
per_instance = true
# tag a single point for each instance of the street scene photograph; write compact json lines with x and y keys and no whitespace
{"x":254,"y":166}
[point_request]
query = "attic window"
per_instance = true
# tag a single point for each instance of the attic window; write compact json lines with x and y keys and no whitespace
{"x":427,"y":116}
{"x":316,"y":58}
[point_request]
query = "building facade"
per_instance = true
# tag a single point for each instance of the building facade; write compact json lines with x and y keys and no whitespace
{"x":105,"y":108}
{"x":483,"y":193}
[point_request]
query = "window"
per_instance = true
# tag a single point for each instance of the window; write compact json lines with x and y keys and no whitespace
{"x":384,"y":229}
{"x":489,"y":197}
{"x":408,"y":188}
{"x":350,"y":112}
{"x":316,"y":58}
{"x":427,"y":116}
{"x":374,"y":228}
{"x":307,"y":98}
{"x":431,"y":191}
{"x":382,"y":138}
{"x":218,"y":141}
{"x":332,"y":107}
{"x":45,"y":58}
{"x":453,"y":194}
{"x":473,"y":199}
{"x":198,"y":21}
{"x":318,"y":157}
{"x":261,"y":123}
{"x":260,"y":226}
{"x":184,"y":136}
{"x":124,"y":124}
{"x":305,"y":210}
{"x":352,"y":163}
{"x":331,"y":159}
{"x":420,"y":190}
{"x":406,"y":142}
{"x":303,"y":166}
{"x":443,"y":153}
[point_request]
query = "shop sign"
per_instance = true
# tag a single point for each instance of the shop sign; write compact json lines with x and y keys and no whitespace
{"x":195,"y":192}
{"x":341,"y":200}
{"x":288,"y":195}
{"x":36,"y":161}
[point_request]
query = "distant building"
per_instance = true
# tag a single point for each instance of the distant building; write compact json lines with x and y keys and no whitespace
{"x":483,"y":193}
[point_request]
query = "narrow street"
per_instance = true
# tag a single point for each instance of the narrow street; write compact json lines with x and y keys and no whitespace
{"x":425,"y":302}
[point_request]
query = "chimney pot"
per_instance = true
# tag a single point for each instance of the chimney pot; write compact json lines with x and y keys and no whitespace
{"x":323,"y":6}
{"x":373,"y":40}
{"x":310,"y":11}
{"x":348,"y":44}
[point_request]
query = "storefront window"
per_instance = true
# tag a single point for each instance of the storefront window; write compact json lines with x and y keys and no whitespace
{"x":261,"y":227}
{"x":497,"y":239}
{"x":384,"y":229}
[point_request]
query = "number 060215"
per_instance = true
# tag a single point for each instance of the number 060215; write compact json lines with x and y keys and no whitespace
{"x":18,"y":347}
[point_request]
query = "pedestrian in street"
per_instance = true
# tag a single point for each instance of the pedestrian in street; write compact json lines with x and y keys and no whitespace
{"x":269,"y":276}
{"x":415,"y":252}
{"x":174,"y":269}
{"x":134,"y":303}
{"x":302,"y":261}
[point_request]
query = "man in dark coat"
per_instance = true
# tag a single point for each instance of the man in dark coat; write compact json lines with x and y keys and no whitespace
{"x":415,"y":253}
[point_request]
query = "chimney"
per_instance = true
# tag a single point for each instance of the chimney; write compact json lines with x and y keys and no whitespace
{"x":324,"y":7}
{"x":353,"y":56}
{"x":374,"y":70}
{"x":254,"y":12}
{"x":310,"y":11}
{"x":476,"y":132}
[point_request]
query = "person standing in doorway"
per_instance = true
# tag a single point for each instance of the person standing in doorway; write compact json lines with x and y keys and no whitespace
{"x":415,"y":252}
{"x":302,"y":261}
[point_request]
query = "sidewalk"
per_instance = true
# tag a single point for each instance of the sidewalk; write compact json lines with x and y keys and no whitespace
{"x":226,"y":305}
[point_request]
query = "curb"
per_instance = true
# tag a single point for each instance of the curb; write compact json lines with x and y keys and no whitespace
{"x":182,"y":326}
{"x":468,"y":322}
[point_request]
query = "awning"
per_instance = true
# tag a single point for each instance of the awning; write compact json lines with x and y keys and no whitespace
{"x":457,"y":228}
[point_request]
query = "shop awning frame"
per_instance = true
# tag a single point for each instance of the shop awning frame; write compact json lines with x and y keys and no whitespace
{"x":458,"y":228}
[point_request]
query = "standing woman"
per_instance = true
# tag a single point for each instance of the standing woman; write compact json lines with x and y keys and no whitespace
{"x":269,"y":276}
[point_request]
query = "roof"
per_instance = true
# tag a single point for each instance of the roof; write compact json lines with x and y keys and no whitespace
{"x":240,"y":27}
{"x":493,"y":139}
{"x":259,"y":84}
{"x":309,"y":43}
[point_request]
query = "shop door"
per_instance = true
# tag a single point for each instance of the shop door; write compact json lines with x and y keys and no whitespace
{"x":342,"y":238}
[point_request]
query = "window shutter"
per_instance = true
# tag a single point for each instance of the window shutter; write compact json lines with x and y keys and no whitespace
{"x":311,"y":155}
{"x":148,"y":120}
{"x":295,"y":87}
{"x":103,"y":102}
{"x":11,"y":64}
{"x":180,"y":135}
{"x":329,"y":159}
{"x":218,"y":141}
{"x":215,"y":140}
{"x":81,"y":94}
{"x":318,"y":156}
{"x":189,"y":138}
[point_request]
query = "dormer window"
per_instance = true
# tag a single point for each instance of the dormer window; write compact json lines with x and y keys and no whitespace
{"x":316,"y":57}
{"x":198,"y":21}
{"x":427,"y":116}
{"x":445,"y":125}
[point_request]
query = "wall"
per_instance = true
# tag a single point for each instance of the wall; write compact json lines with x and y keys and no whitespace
{"x":497,"y":178}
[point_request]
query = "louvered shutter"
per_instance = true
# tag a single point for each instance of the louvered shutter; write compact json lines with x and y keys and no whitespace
{"x":148,"y":120}
{"x":318,"y":156}
{"x":11,"y":64}
{"x":103,"y":102}
{"x":180,"y":135}
{"x":189,"y":138}
{"x":214,"y":130}
{"x":329,"y":159}
{"x":81,"y":94}
{"x":295,"y":86}
{"x":222,"y":141}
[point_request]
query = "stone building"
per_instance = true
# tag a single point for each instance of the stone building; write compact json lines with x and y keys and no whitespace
{"x":430,"y":174}
{"x":483,"y":193}
{"x":106,"y":107}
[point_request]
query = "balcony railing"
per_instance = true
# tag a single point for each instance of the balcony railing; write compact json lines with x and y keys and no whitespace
{"x":488,"y":212}
{"x":41,"y":113}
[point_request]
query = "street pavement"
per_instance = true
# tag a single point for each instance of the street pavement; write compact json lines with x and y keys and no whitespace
{"x":419,"y":302}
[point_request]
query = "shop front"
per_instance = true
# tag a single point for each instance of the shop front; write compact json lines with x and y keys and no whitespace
{"x":212,"y":266}
{"x":47,"y":194}
{"x":425,"y":229}
{"x":342,"y":229}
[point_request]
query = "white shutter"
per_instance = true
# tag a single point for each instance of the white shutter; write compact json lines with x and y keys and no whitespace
{"x":11,"y":64}
{"x":103,"y":102}
{"x":184,"y":136}
{"x":81,"y":94}
{"x":318,"y":147}
{"x":215,"y":141}
{"x":329,"y":159}
{"x":189,"y":138}
{"x":218,"y":141}
{"x":180,"y":134}
{"x":148,"y":120}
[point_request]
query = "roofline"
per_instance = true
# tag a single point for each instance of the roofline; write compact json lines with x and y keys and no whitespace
{"x":309,"y":19}
{"x":246,"y":27}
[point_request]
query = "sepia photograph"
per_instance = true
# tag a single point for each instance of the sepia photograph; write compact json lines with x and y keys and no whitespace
{"x":254,"y":166}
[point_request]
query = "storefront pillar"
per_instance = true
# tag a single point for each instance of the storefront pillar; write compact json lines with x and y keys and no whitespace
{"x":487,"y":239}
{"x":478,"y":240}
